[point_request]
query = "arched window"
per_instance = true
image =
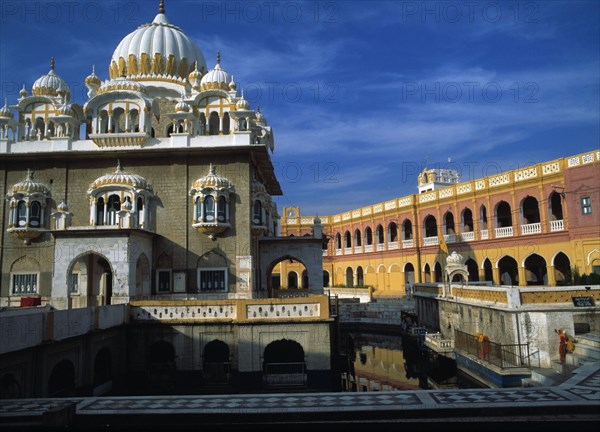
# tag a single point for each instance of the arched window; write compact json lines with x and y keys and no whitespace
{"x":530,"y":212}
{"x":114,"y":205}
{"x":483,"y":217}
{"x":407,"y":230}
{"x":226,"y":124}
{"x":379,"y":233}
{"x":100,"y":211}
{"x":368,"y":236}
{"x":357,"y":238}
{"x":140,"y":211}
{"x":202,"y":124}
{"x":467,"y":220}
{"x":430,"y":226}
{"x":556,"y":212}
{"x":503,"y":215}
{"x":243,"y":124}
{"x":349,"y":278}
{"x":21,"y":214}
{"x":222,"y":209}
{"x":347,"y":240}
{"x":213,"y":123}
{"x":338,"y":241}
{"x":449,"y":223}
{"x":35,"y":214}
{"x":360,"y":278}
{"x":257,"y":213}
{"x":392,"y":232}
{"x":209,"y":209}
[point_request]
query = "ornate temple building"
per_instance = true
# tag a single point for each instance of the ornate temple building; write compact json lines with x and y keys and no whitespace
{"x":150,"y":205}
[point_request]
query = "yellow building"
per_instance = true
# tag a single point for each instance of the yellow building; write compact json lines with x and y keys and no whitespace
{"x":530,"y":226}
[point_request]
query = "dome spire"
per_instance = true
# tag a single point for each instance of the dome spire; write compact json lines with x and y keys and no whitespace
{"x":161,"y":7}
{"x":219,"y":57}
{"x":52,"y":63}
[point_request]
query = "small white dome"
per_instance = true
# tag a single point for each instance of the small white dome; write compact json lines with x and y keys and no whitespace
{"x":136,"y":53}
{"x":29,"y":186}
{"x":212,"y":180}
{"x":5,"y":111}
{"x":92,"y":80}
{"x":120,"y":178}
{"x":51,"y":84}
{"x":216,"y":78}
{"x":23,"y":93}
{"x":182,"y":106}
{"x":63,"y":207}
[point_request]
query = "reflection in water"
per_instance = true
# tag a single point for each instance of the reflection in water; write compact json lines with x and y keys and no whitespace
{"x":380,"y":362}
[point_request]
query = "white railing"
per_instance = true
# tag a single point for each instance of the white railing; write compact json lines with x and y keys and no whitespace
{"x":347,"y":250}
{"x":468,"y":236}
{"x":324,"y":252}
{"x":338,"y":251}
{"x":504,"y":232}
{"x":533,"y":228}
{"x":392,"y":245}
{"x":484,"y":234}
{"x":357,"y":249}
{"x":407,"y":243}
{"x":431,"y":241}
{"x":557,"y":225}
{"x":450,"y":238}
{"x":436,"y":342}
{"x":369,"y":248}
{"x":380,"y":247}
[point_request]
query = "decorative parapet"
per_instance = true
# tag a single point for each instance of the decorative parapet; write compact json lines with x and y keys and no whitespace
{"x":526,"y":174}
{"x":108,"y":140}
{"x":484,"y":294}
{"x":550,"y":295}
{"x":307,"y":308}
{"x":426,"y":197}
{"x":390,"y":205}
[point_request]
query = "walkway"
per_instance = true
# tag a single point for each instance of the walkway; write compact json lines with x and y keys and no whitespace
{"x":575,"y":400}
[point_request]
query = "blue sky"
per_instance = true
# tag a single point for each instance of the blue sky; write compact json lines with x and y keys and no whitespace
{"x":360,"y":94}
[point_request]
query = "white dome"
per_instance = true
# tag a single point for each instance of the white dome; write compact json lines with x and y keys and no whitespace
{"x":136,"y":55}
{"x":120,"y":178}
{"x":212,"y":180}
{"x":51,"y":84}
{"x":5,"y":111}
{"x":216,"y":78}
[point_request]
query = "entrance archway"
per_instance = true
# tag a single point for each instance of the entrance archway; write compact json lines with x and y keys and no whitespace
{"x":509,"y":272}
{"x":284,"y":364}
{"x":62,"y":379}
{"x":562,"y":268}
{"x":535,"y":270}
{"x":215,"y":362}
{"x":91,"y":276}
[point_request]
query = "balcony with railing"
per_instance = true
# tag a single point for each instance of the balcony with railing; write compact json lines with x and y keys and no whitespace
{"x":369,"y":248}
{"x":380,"y":247}
{"x":338,"y":252}
{"x":431,"y":241}
{"x":284,"y":374}
{"x":408,"y":244}
{"x":357,"y":249}
{"x":435,"y":342}
{"x":504,"y":356}
{"x":450,"y":238}
{"x":392,"y":245}
{"x":503,"y":232}
{"x":532,"y":228}
{"x":468,"y":236}
{"x":484,"y":234}
{"x":347,"y":250}
{"x":557,"y":225}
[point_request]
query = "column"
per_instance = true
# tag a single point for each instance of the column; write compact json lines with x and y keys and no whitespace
{"x":220,"y":125}
{"x":551,"y":275}
{"x":496,"y":275}
{"x":522,"y":277}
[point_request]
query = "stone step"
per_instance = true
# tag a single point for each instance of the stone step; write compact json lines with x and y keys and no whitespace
{"x":589,"y":339}
{"x":583,"y":350}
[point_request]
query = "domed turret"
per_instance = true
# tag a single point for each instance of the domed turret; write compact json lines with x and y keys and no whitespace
{"x":216,"y":78}
{"x":242,"y":104}
{"x":182,"y":106}
{"x":120,"y":178}
{"x":51,"y":85}
{"x":195,"y":77}
{"x":5,"y":112}
{"x":23,"y":93}
{"x":30,"y":186}
{"x":212,"y":180}
{"x":260,"y":118}
{"x":156,"y":50}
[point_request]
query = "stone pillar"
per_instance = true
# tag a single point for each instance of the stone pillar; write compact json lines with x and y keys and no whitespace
{"x":496,"y":275}
{"x":551,"y":275}
{"x":522,"y":277}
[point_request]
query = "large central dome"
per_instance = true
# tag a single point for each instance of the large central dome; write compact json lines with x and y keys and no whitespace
{"x":158,"y":50}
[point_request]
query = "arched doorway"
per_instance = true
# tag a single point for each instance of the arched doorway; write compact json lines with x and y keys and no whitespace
{"x":287,"y":273}
{"x":292,"y":280}
{"x":304,"y":279}
{"x":349,"y":277}
{"x":409,"y":274}
{"x":487,"y":270}
{"x":427,"y":273}
{"x":9,"y":387}
{"x":473,"y":270}
{"x":562,"y":269}
{"x":283,"y":364}
{"x":91,"y":276}
{"x":62,"y":380}
{"x":535,"y":270}
{"x":438,"y":272}
{"x":142,"y":277}
{"x":215,"y":362}
{"x":102,"y":371}
{"x":360,"y":278}
{"x":325,"y":278}
{"x":509,"y":272}
{"x":161,"y":364}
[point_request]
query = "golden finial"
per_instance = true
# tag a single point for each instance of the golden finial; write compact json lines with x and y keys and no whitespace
{"x":161,"y":7}
{"x":52,"y":63}
{"x":219,"y":57}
